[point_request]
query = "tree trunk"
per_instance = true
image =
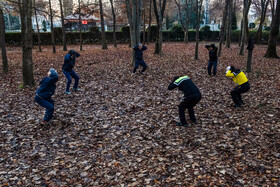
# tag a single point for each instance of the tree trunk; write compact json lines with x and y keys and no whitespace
{"x":222,"y":30}
{"x":264,"y":5}
{"x":38,"y":29}
{"x":150,"y":20}
{"x":271,"y":49}
{"x":138,"y":21}
{"x":104,"y":43}
{"x":144,"y":26}
{"x":26,"y":30}
{"x":198,"y":11}
{"x":228,"y":38}
{"x":3,"y":42}
{"x":241,"y":31}
{"x":129,"y":17}
{"x":80,"y":26}
{"x":114,"y":23}
{"x":63,"y":26}
{"x":245,"y":32}
{"x":249,"y":61}
{"x":159,"y":17}
{"x":52,"y":31}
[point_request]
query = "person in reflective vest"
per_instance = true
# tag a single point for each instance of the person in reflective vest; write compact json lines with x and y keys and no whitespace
{"x":241,"y":82}
{"x":191,"y":97}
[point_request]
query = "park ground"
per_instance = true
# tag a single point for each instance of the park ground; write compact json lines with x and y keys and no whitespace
{"x":120,"y":130}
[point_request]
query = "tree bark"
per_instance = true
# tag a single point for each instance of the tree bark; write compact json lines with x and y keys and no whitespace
{"x":3,"y":42}
{"x":104,"y":43}
{"x":264,"y":5}
{"x":80,"y":26}
{"x":26,"y":30}
{"x":159,"y":17}
{"x":129,"y":17}
{"x":271,"y":49}
{"x":222,"y":30}
{"x":144,"y":26}
{"x":114,"y":23}
{"x":63,"y":26}
{"x":38,"y":29}
{"x":198,"y":12}
{"x":52,"y":31}
{"x":229,"y":25}
{"x":186,"y":25}
{"x":245,"y":32}
{"x":150,"y":20}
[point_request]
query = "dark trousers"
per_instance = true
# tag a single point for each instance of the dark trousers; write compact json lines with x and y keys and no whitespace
{"x":237,"y":91}
{"x":214,"y":65}
{"x":188,"y":103}
{"x":68,"y":75}
{"x":48,"y":104}
{"x":141,"y":63}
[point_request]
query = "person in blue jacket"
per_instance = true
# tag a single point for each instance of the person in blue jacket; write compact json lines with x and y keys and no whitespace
{"x":139,"y":58}
{"x":213,"y":59}
{"x":45,"y":92}
{"x":69,"y":63}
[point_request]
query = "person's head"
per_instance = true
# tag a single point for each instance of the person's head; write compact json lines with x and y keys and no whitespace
{"x":140,"y":46}
{"x":52,"y":72}
{"x":212,"y":46}
{"x":72,"y":53}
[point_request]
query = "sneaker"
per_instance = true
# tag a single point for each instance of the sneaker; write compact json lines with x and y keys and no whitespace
{"x":67,"y":93}
{"x":132,"y":74}
{"x":143,"y":73}
{"x":236,"y":105}
{"x":76,"y":89}
{"x":194,"y":122}
{"x":242,"y":103}
{"x":181,"y":125}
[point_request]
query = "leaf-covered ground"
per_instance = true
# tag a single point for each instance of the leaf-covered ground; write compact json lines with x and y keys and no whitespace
{"x":120,"y":130}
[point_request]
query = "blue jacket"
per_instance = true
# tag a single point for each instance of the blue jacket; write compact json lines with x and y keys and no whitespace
{"x":69,"y":60}
{"x":47,"y":87}
{"x":139,"y":52}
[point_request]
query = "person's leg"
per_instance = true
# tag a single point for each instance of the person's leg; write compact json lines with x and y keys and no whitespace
{"x":243,"y":89}
{"x":76,"y":77}
{"x":182,"y":108}
{"x":235,"y":95}
{"x":136,"y":64}
{"x":48,"y":105}
{"x":69,"y":80}
{"x":191,"y":103}
{"x":209,"y":67}
{"x":144,"y":65}
{"x":215,"y":63}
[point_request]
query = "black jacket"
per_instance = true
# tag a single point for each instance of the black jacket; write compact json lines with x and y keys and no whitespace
{"x":186,"y":85}
{"x":69,"y":60}
{"x":212,"y":53}
{"x":139,"y":52}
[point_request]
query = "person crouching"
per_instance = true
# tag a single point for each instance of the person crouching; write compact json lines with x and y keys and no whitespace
{"x":45,"y":92}
{"x":241,"y":82}
{"x":192,"y":96}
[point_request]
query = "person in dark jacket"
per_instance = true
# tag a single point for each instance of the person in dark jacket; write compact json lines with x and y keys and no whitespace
{"x":69,"y":63}
{"x":45,"y":92}
{"x":191,"y":97}
{"x":139,"y":58}
{"x":213,"y":59}
{"x":241,"y":82}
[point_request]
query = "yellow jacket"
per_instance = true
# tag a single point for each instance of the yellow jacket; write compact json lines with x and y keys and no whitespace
{"x":238,"y":78}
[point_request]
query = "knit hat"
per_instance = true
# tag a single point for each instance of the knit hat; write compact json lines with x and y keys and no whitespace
{"x":212,"y":45}
{"x":53,"y":72}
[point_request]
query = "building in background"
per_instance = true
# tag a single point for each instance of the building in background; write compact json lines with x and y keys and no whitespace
{"x":67,"y":7}
{"x":71,"y":22}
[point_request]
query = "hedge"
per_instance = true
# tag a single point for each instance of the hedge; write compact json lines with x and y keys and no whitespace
{"x":123,"y":36}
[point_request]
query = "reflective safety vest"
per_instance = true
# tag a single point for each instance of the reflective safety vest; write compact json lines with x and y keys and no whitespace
{"x":238,"y":78}
{"x":180,"y":79}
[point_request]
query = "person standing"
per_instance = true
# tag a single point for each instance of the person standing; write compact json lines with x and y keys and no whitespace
{"x":45,"y":92}
{"x":139,"y":58}
{"x":191,"y":97}
{"x":213,"y":59}
{"x":241,"y":82}
{"x":69,"y":63}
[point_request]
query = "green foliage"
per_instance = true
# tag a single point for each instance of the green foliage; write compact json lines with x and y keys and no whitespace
{"x":94,"y":30}
{"x":252,"y":25}
{"x":234,"y":21}
{"x":176,"y":28}
{"x":21,"y":86}
{"x":206,"y":28}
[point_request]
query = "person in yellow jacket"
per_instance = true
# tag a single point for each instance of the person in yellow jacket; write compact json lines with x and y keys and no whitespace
{"x":241,"y":82}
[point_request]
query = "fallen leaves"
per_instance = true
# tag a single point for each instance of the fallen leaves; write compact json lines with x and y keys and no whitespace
{"x":120,"y":131}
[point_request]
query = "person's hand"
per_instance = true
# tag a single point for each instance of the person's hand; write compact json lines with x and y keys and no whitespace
{"x":228,"y":69}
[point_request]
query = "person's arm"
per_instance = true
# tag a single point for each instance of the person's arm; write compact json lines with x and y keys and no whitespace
{"x":207,"y":47}
{"x":52,"y":79}
{"x":172,"y":86}
{"x":135,"y":47}
{"x":77,"y":54}
{"x":229,"y":74}
{"x":144,"y":48}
